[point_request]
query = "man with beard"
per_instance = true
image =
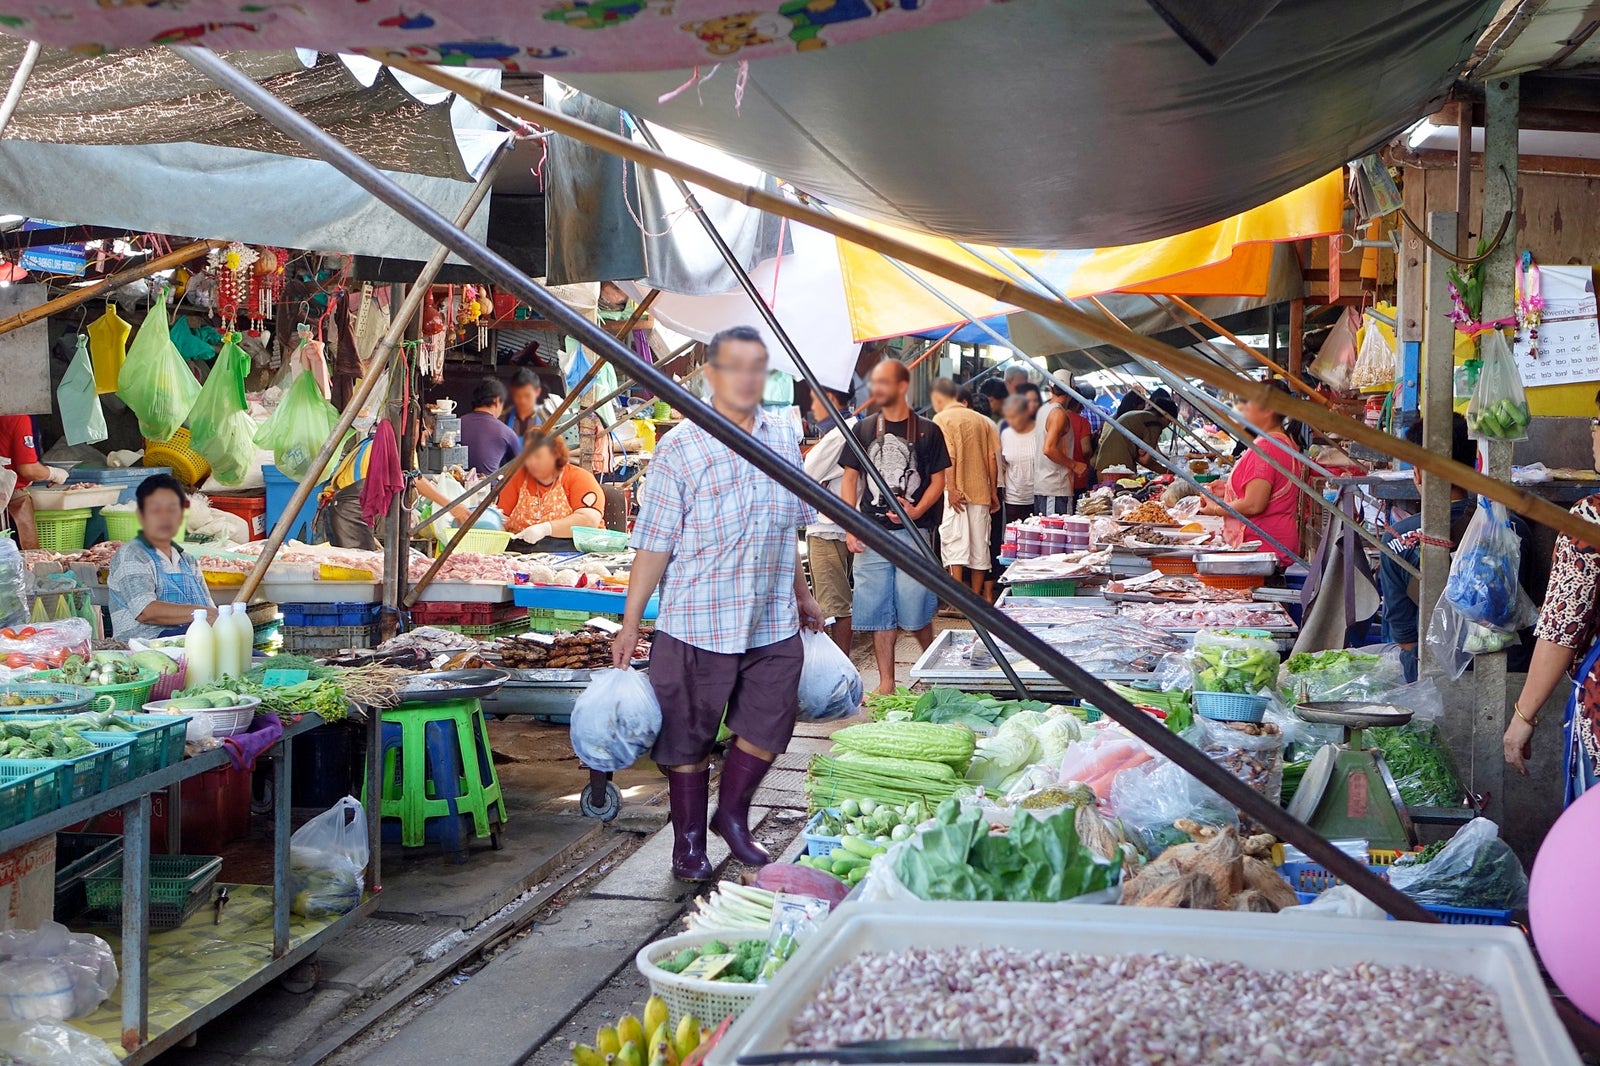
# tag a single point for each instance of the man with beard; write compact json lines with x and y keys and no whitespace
{"x":909,"y":451}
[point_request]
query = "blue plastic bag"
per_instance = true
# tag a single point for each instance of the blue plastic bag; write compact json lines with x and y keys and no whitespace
{"x":615,"y":721}
{"x":1485,"y":577}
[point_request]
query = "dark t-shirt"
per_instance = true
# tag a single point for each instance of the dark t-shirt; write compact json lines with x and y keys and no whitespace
{"x":908,"y":454}
{"x":489,"y":442}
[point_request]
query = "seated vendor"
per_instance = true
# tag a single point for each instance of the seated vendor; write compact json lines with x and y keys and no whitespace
{"x":155,"y":585}
{"x":550,"y":496}
{"x":339,"y":517}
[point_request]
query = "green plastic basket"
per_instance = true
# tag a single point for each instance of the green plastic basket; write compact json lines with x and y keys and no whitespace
{"x":118,"y":750}
{"x":509,"y":628}
{"x":1045,"y":588}
{"x":599,"y":540}
{"x":26,"y":794}
{"x":157,"y":741}
{"x":62,"y":531}
{"x":128,"y":696}
{"x":121,"y":525}
{"x":179,"y":886}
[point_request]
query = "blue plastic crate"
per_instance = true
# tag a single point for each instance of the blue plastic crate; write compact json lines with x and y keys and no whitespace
{"x":595,"y":601}
{"x":126,"y":476}
{"x":280,"y":487}
{"x":1310,"y":880}
{"x":326,"y":614}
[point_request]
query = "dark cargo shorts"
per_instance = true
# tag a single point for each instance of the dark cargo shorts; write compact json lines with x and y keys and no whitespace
{"x":760,"y":689}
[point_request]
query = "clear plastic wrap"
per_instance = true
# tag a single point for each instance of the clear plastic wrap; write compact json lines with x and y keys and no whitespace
{"x":1354,"y":674}
{"x":1234,"y":660}
{"x":52,"y":974}
{"x":1252,"y":753}
{"x":615,"y":720}
{"x":1484,"y":583}
{"x":328,"y":860}
{"x":48,"y":1044}
{"x":830,"y":684}
{"x":47,"y":645}
{"x":1476,"y":869}
{"x":13,"y":584}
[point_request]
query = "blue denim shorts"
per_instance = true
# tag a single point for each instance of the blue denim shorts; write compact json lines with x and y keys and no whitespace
{"x":885,"y":598}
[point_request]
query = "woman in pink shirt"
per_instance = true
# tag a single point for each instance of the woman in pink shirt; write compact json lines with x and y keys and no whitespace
{"x":1260,"y":490}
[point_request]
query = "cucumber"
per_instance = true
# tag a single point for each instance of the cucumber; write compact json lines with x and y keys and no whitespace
{"x":864,"y":848}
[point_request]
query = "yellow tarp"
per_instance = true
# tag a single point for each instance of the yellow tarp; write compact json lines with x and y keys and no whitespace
{"x":1229,"y":258}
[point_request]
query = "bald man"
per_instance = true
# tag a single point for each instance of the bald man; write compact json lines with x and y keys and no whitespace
{"x":909,"y":451}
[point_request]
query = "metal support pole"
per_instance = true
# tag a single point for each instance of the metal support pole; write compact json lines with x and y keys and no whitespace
{"x":8,"y":107}
{"x":1502,"y":105}
{"x":498,"y":270}
{"x":373,"y":799}
{"x":383,"y":357}
{"x":1438,"y":395}
{"x":851,"y":441}
{"x":282,"y":785}
{"x":135,"y":988}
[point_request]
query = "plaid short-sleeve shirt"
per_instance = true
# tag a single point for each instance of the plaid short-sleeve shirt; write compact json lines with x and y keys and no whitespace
{"x":731,"y":531}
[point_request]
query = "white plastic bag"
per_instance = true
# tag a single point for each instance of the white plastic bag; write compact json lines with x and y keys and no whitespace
{"x":51,"y":974}
{"x":615,"y":721}
{"x":830,"y":685}
{"x":327,"y":861}
{"x":83,"y":421}
{"x":46,"y":1044}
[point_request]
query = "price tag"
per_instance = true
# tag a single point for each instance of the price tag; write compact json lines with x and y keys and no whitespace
{"x":605,"y":625}
{"x":282,"y":678}
{"x":707,"y":967}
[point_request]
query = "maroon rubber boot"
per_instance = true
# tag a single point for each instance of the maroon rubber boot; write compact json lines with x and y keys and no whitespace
{"x":741,"y":776}
{"x":689,"y":795}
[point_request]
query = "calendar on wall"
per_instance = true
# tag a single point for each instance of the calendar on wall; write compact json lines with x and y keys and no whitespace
{"x":1568,"y":348}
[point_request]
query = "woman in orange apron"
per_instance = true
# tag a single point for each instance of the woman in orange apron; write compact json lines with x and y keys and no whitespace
{"x":549,"y":497}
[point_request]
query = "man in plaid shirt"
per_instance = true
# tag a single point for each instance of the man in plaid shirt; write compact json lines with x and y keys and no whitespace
{"x":719,"y":538}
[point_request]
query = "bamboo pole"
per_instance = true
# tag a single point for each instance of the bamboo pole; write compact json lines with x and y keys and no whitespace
{"x":383,"y":359}
{"x":1187,"y":364}
{"x":1293,"y":379}
{"x":113,"y":281}
{"x":495,"y":478}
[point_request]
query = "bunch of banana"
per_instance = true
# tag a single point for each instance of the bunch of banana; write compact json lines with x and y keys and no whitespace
{"x":650,"y":1042}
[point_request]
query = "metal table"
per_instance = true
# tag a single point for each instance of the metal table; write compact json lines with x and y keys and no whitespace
{"x":133,"y":797}
{"x":944,"y":663}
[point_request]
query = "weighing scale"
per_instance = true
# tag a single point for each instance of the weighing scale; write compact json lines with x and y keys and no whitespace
{"x":1348,"y":791}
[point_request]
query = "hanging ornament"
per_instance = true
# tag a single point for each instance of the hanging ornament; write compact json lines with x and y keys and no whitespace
{"x":430,"y":359}
{"x":1530,"y":303}
{"x":473,"y":308}
{"x":266,"y":284}
{"x":232,"y":265}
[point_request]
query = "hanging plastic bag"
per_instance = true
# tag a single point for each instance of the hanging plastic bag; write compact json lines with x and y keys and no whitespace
{"x":615,"y":721}
{"x":83,"y":421}
{"x":1335,"y":364}
{"x":1485,"y":575}
{"x":1499,"y":407}
{"x":296,"y":431}
{"x":327,"y":861}
{"x":52,"y":974}
{"x":154,"y":381}
{"x":1476,"y":869}
{"x":830,"y":685}
{"x":1453,"y":638}
{"x":1375,"y":358}
{"x":220,"y":424}
{"x":13,"y":585}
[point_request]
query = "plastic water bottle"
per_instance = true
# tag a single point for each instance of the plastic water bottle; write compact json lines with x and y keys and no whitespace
{"x":244,"y":636}
{"x":200,"y":650}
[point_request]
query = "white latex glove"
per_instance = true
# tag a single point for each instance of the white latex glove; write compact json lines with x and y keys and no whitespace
{"x":56,"y":475}
{"x":535,"y":533}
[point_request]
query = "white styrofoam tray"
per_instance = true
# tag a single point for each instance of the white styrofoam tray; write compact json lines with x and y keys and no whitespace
{"x":466,"y":592}
{"x":1499,"y":957}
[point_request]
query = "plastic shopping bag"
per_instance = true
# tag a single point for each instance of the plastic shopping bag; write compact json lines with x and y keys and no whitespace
{"x":615,"y":721}
{"x":297,"y":430}
{"x":830,"y":684}
{"x":1499,"y":408}
{"x":1453,"y":638}
{"x":1485,"y":575}
{"x":83,"y":421}
{"x":155,"y":382}
{"x":51,"y":974}
{"x":1476,"y":869}
{"x":1335,"y":364}
{"x":220,"y":423}
{"x":327,"y":861}
{"x":48,"y":1044}
{"x":13,"y":584}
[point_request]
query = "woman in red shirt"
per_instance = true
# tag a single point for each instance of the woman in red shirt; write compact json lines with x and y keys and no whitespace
{"x":1260,"y":490}
{"x":549,"y":497}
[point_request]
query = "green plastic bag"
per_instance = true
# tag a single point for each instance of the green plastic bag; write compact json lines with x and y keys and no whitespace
{"x":220,"y":423}
{"x":83,"y":421}
{"x":297,"y":430}
{"x":154,"y":381}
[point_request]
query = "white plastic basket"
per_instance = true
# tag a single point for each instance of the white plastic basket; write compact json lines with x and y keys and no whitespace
{"x":219,"y":722}
{"x":710,"y":1001}
{"x":46,"y":498}
{"x":1499,"y":957}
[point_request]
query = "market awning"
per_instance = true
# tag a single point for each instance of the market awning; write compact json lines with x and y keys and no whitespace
{"x":1073,"y":123}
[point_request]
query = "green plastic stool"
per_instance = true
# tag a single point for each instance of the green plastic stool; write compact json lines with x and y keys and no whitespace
{"x":417,"y":783}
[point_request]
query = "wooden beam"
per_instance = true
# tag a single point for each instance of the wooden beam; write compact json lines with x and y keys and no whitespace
{"x":114,"y":281}
{"x":1527,"y":504}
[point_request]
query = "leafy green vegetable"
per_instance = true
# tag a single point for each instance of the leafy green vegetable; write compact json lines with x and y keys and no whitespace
{"x":1420,"y":764}
{"x":1038,"y":861}
{"x":1234,"y":661}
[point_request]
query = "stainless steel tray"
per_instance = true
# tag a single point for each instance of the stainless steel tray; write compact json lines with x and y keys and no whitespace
{"x":943,"y":664}
{"x":440,"y":685}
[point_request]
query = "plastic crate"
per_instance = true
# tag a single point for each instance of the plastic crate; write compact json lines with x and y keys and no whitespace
{"x":327,"y":640}
{"x":1311,"y":879}
{"x":158,"y":740}
{"x":687,"y":995}
{"x":326,"y":614}
{"x":119,"y":751}
{"x":179,"y":886}
{"x":177,"y":452}
{"x":27,"y":793}
{"x":1233,"y":581}
{"x":1230,"y":706}
{"x":126,"y":478}
{"x":121,"y":525}
{"x":819,"y":844}
{"x":1045,"y":588}
{"x":77,"y":855}
{"x":509,"y":628}
{"x":592,"y":601}
{"x":280,"y":488}
{"x":1175,"y":565}
{"x":465,"y":614}
{"x":253,"y":509}
{"x":483,"y":541}
{"x":62,"y":531}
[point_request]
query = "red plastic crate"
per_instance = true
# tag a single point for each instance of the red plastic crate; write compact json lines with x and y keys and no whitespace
{"x":216,"y":812}
{"x":253,"y":509}
{"x":435,"y":613}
